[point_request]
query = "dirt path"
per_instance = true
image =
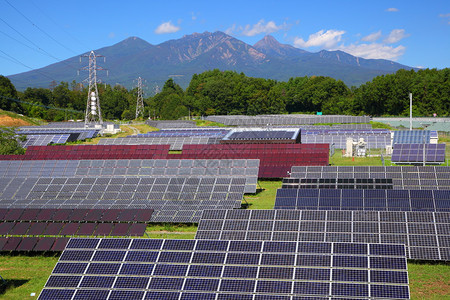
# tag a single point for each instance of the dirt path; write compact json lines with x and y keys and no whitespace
{"x":7,"y":121}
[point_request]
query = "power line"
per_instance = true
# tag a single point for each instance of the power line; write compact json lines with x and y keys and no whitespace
{"x":41,"y":105}
{"x":41,"y":30}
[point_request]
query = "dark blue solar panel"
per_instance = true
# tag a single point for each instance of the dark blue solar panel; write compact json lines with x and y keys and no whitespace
{"x":146,"y":244}
{"x":384,"y":249}
{"x":211,"y":245}
{"x":308,"y":247}
{"x":279,"y":246}
{"x":103,"y":268}
{"x":201,"y":284}
{"x":350,"y":248}
{"x":389,"y":291}
{"x":76,"y":255}
{"x":104,"y":255}
{"x":91,"y":295}
{"x":387,"y":263}
{"x":131,"y":282}
{"x":157,"y":283}
{"x":350,"y":289}
{"x":121,"y":294}
{"x":350,"y":275}
{"x":205,"y":271}
{"x":208,"y":258}
{"x":389,"y":276}
{"x":245,"y":246}
{"x":276,"y":273}
{"x":136,"y":269}
{"x":97,"y":282}
{"x":314,"y":260}
{"x":142,"y":256}
{"x":170,"y":270}
{"x":232,"y":297}
{"x":242,"y":259}
{"x":114,"y":244}
{"x":240,"y":272}
{"x":63,"y":281}
{"x":350,"y":261}
{"x":312,"y":274}
{"x":151,"y":295}
{"x":275,"y":287}
{"x":195,"y":296}
{"x":277,"y":259}
{"x":69,"y":268}
{"x":175,"y":257}
{"x":60,"y":294}
{"x":230,"y":285}
{"x":312,"y":288}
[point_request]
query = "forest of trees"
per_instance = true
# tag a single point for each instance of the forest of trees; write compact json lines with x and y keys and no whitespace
{"x":227,"y":92}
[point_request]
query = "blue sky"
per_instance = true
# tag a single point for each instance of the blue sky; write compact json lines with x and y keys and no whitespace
{"x":34,"y":34}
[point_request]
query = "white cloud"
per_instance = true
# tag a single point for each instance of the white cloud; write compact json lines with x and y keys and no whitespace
{"x":372,"y":37}
{"x":395,"y":36}
{"x":374,"y":51}
{"x":445,"y":16}
{"x":326,"y":39}
{"x":258,"y":28}
{"x":392,"y":9}
{"x":166,"y":27}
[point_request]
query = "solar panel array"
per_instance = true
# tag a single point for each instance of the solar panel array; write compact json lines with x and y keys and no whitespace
{"x":212,"y":269}
{"x":414,"y":153}
{"x":164,"y":124}
{"x":77,"y":152}
{"x":26,"y":243}
{"x":179,"y":199}
{"x":210,"y":132}
{"x":263,"y":120}
{"x":425,"y":234}
{"x":81,"y":133}
{"x":176,"y":143}
{"x":337,"y":183}
{"x":44,"y":139}
{"x":261,"y":135}
{"x":135,"y":168}
{"x":69,"y":125}
{"x":275,"y":159}
{"x":69,"y":222}
{"x":403,"y":177}
{"x":374,"y":138}
{"x":366,"y":200}
{"x":413,"y":136}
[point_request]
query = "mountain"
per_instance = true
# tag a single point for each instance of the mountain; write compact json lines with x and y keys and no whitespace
{"x":199,"y":52}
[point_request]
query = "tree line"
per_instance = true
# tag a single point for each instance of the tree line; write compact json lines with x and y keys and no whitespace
{"x":228,"y":92}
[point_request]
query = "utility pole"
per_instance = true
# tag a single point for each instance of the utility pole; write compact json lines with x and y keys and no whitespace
{"x":410,"y":111}
{"x":140,"y":99}
{"x":93,"y":113}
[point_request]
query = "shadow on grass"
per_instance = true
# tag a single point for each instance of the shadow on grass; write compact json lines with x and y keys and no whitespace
{"x":10,"y":284}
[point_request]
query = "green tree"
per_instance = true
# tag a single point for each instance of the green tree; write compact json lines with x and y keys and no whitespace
{"x":9,"y":142}
{"x":7,"y":90}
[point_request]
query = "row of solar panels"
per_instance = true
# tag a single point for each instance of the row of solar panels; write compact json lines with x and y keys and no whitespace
{"x":71,"y":229}
{"x":264,"y":120}
{"x":425,"y":234}
{"x":419,"y":153}
{"x":135,"y":168}
{"x":176,"y":143}
{"x":213,"y":269}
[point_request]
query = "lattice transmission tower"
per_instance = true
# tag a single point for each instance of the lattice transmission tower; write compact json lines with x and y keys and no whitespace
{"x":140,"y":99}
{"x":93,"y":112}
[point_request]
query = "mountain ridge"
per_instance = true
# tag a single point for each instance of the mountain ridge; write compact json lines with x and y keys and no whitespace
{"x":198,"y":52}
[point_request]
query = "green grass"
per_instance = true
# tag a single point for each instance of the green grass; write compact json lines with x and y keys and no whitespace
{"x":265,"y":195}
{"x":24,"y":275}
{"x":429,"y":280}
{"x":339,"y":160}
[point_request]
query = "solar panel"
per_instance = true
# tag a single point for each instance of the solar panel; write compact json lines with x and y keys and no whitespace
{"x":416,"y":153}
{"x":252,"y":272}
{"x":424,"y":233}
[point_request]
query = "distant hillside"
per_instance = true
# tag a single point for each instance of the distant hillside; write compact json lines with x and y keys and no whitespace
{"x":199,"y":52}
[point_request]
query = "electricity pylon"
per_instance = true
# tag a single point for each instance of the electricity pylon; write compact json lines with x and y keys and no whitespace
{"x":140,"y":99}
{"x":93,"y":113}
